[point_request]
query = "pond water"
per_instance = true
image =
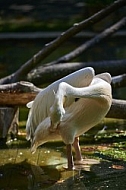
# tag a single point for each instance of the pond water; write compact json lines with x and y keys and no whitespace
{"x":105,"y":167}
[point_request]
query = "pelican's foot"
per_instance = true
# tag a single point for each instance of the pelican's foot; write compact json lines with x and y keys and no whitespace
{"x":85,"y":164}
{"x":77,"y":167}
{"x":86,"y":161}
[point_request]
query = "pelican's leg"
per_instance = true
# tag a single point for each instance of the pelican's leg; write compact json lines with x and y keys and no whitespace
{"x":77,"y":149}
{"x":79,"y":160}
{"x":69,"y":157}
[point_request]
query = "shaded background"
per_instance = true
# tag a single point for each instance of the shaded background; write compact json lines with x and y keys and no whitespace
{"x":44,"y":20}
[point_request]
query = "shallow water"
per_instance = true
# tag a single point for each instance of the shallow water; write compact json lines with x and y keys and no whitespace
{"x":105,"y":166}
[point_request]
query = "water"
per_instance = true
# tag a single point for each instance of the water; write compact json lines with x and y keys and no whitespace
{"x":105,"y":168}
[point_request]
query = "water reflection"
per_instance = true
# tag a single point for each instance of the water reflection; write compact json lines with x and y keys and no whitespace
{"x":32,"y":177}
{"x":19,"y":170}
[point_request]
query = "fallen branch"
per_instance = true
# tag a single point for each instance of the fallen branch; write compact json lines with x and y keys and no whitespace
{"x":97,"y":39}
{"x":118,"y":109}
{"x":46,"y":75}
{"x":119,"y":81}
{"x":49,"y":48}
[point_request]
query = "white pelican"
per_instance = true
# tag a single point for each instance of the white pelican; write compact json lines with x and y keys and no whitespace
{"x":68,"y":108}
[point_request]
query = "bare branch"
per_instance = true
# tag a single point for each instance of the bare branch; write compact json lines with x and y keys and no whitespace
{"x":49,"y":48}
{"x":45,"y":75}
{"x":97,"y":39}
{"x":118,"y":109}
{"x":119,"y":81}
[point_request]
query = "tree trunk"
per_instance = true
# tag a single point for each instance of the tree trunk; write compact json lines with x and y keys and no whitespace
{"x":8,"y":121}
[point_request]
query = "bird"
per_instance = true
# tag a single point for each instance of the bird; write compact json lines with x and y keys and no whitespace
{"x":68,"y":108}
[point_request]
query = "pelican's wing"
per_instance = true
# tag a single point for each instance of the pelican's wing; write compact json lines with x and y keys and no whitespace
{"x":105,"y":76}
{"x":45,"y":99}
{"x":97,"y":89}
{"x":79,"y":78}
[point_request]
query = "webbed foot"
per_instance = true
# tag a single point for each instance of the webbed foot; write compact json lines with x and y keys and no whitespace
{"x":85,"y":164}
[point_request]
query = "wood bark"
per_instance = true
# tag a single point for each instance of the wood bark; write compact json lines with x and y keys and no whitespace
{"x":11,"y":97}
{"x":49,"y":48}
{"x":90,"y":43}
{"x":46,"y":75}
{"x":118,"y":109}
{"x":8,"y":121}
{"x":119,"y":81}
{"x":17,"y":93}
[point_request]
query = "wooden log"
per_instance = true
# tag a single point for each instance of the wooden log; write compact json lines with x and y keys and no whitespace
{"x":48,"y":74}
{"x":119,"y":81}
{"x":8,"y":121}
{"x":19,"y":87}
{"x":19,"y":93}
{"x":14,"y":95}
{"x":13,"y":99}
{"x":118,"y":109}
